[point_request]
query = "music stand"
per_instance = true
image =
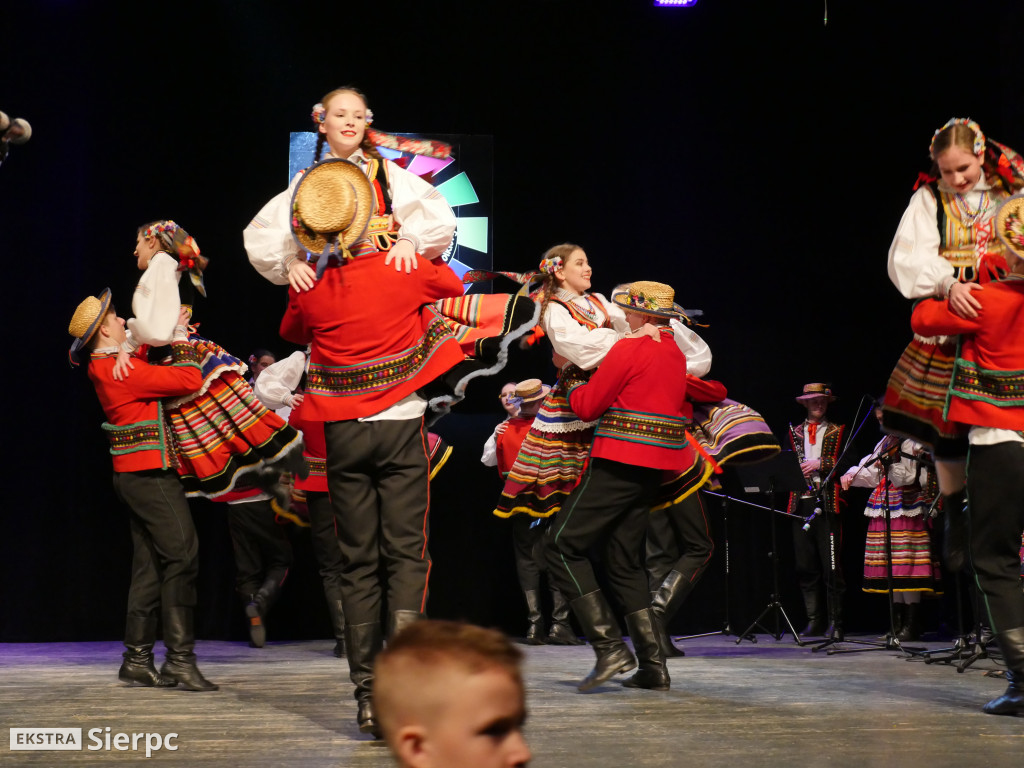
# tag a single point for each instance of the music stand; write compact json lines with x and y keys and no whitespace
{"x":779,"y":473}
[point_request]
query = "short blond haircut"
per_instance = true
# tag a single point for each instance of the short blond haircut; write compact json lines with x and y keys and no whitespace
{"x":424,"y":653}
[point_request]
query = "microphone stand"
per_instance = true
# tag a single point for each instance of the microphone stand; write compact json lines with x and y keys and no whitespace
{"x":727,"y":626}
{"x":765,"y":477}
{"x":833,"y":635}
{"x":891,"y":641}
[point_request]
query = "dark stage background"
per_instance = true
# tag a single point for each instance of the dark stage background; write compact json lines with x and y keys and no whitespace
{"x":754,"y":158}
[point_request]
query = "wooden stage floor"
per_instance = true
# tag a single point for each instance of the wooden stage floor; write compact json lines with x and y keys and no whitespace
{"x":766,"y":704}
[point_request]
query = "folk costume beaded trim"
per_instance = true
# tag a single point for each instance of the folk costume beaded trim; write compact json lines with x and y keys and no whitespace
{"x":643,"y":428}
{"x":348,"y":380}
{"x":1002,"y":388}
{"x":586,"y":316}
{"x":141,"y":436}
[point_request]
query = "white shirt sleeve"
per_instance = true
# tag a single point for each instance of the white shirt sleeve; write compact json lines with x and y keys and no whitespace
{"x":274,"y":387}
{"x":268,"y":237}
{"x":904,"y":471}
{"x":156,"y":303}
{"x":585,"y":348}
{"x":697,"y":351}
{"x":915,"y":266}
{"x":423,"y":216}
{"x":490,"y":454}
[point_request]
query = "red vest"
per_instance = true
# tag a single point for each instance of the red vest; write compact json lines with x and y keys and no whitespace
{"x":375,"y":337}
{"x":135,"y":424}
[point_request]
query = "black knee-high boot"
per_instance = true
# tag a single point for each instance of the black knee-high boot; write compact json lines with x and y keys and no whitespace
{"x":362,"y":644}
{"x":561,"y":630}
{"x":1011,"y":643}
{"x":598,"y":622}
{"x":666,"y":601}
{"x":180,"y":639}
{"x":138,"y":667}
{"x":256,"y":610}
{"x":337,"y":614}
{"x":653,"y":673}
{"x":535,"y":631}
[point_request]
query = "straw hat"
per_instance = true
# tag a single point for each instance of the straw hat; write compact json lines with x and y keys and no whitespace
{"x":331,"y":206}
{"x":531,"y":390}
{"x":86,"y":321}
{"x":812,"y":391}
{"x":648,"y":298}
{"x":1010,"y":224}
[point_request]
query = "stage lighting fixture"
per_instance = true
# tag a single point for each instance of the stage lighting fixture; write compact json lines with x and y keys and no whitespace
{"x":674,"y":3}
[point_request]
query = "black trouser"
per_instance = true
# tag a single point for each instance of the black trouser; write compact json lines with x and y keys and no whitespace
{"x":679,"y":539}
{"x":324,"y":534}
{"x":811,"y":553}
{"x":379,"y":483}
{"x":165,"y":549}
{"x":528,"y":544}
{"x":610,"y":507}
{"x":262,"y":550}
{"x":995,"y":492}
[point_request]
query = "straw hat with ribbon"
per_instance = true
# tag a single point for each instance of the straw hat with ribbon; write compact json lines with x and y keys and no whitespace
{"x":86,"y":321}
{"x":1010,"y":224}
{"x":331,"y":206}
{"x":531,"y":390}
{"x":649,"y":298}
{"x":812,"y":391}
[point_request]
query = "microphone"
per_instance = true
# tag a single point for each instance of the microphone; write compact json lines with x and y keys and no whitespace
{"x":810,"y":519}
{"x":16,"y":131}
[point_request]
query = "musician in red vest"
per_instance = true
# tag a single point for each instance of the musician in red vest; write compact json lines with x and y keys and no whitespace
{"x":165,"y":549}
{"x":817,"y":443}
{"x":638,"y":393}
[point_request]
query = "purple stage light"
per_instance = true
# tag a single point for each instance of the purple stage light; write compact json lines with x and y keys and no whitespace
{"x":674,"y":3}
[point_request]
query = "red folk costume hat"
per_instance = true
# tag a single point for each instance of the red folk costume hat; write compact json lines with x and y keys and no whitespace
{"x":86,"y":321}
{"x":812,"y":391}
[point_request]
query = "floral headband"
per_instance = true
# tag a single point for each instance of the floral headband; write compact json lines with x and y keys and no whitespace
{"x":184,"y":247}
{"x":979,"y":137}
{"x":551,"y":265}
{"x":319,"y":114}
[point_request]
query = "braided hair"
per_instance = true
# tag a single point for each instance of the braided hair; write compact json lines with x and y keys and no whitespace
{"x":551,"y":284}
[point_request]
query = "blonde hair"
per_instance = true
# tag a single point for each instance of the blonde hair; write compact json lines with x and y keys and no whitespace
{"x":957,"y":135}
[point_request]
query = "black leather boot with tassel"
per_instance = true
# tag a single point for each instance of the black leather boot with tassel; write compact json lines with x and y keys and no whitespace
{"x":602,"y":630}
{"x":1011,"y":643}
{"x":652,"y":674}
{"x":138,"y":667}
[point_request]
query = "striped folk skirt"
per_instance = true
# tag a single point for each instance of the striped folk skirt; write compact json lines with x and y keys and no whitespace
{"x":551,"y":460}
{"x":224,"y":433}
{"x":915,"y":398}
{"x":914,"y":567}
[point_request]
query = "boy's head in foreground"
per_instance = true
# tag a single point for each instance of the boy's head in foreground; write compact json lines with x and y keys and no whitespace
{"x":450,"y":695}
